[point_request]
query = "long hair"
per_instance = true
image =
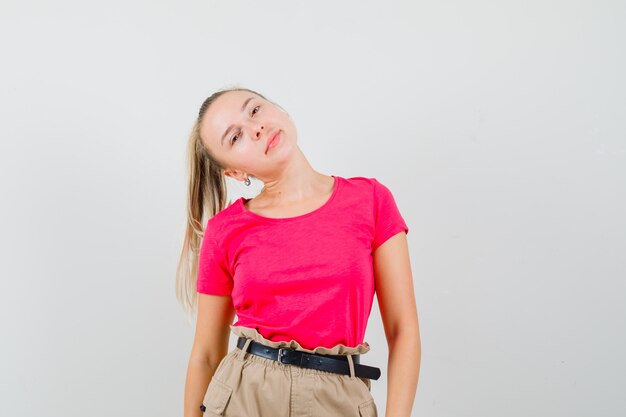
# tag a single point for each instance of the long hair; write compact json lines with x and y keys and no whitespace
{"x":206,"y":196}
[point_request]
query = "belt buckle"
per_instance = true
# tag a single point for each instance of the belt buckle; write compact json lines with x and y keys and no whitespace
{"x":282,"y":352}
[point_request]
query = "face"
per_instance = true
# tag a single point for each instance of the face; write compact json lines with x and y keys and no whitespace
{"x":237,"y":128}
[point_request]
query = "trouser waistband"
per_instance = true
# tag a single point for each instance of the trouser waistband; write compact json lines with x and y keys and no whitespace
{"x":340,"y":364}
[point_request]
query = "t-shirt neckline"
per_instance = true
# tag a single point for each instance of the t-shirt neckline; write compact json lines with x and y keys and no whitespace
{"x":323,"y":207}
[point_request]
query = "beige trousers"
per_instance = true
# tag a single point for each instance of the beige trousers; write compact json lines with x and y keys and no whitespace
{"x":247,"y":385}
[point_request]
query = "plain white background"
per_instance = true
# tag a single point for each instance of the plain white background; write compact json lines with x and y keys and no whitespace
{"x":498,"y":125}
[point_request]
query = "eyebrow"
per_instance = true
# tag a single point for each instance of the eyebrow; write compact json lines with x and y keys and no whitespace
{"x":243,"y":107}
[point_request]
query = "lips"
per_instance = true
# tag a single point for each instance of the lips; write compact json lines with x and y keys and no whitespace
{"x":269,"y":141}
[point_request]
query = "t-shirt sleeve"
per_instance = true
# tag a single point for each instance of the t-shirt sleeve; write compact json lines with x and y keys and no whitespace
{"x":388,"y":220}
{"x":213,"y":273}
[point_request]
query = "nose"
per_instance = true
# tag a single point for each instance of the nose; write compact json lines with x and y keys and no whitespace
{"x":258,"y":133}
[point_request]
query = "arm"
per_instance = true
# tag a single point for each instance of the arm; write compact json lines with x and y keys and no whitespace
{"x":215,"y":314}
{"x":396,"y":300}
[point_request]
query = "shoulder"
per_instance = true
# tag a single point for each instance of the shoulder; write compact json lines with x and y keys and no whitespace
{"x":370,"y":191}
{"x":368,"y":185}
{"x":362,"y":183}
{"x":221,"y":221}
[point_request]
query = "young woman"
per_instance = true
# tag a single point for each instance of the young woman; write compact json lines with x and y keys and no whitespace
{"x":298,"y":264}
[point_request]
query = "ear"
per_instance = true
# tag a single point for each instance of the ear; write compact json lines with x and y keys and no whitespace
{"x":237,"y":175}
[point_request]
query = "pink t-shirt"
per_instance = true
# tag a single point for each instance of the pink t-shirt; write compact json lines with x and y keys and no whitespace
{"x":308,"y":278}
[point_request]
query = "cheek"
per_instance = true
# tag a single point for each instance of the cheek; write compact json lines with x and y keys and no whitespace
{"x":245,"y":152}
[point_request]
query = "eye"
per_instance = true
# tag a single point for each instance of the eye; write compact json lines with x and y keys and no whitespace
{"x":234,"y":138}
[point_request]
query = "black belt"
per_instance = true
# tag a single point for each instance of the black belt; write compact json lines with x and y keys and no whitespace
{"x":330,"y":363}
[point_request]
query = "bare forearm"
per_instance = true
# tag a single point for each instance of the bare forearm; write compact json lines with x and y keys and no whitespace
{"x":403,"y":366}
{"x":199,"y":374}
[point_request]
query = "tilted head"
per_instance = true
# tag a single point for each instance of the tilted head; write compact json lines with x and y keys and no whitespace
{"x":236,"y":128}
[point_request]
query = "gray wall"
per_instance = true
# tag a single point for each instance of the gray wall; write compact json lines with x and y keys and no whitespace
{"x":499,"y":127}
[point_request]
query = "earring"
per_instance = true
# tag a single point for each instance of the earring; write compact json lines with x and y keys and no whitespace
{"x":247,"y":181}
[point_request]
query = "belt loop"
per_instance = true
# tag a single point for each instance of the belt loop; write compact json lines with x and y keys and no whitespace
{"x":244,"y":349}
{"x":351,"y":364}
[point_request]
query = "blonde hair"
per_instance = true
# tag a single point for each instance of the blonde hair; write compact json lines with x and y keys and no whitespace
{"x":206,"y":196}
